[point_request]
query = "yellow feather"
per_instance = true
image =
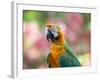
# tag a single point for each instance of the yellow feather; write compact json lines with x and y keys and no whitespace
{"x":57,"y":48}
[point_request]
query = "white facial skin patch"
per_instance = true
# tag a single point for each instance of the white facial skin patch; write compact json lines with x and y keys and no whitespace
{"x":53,"y":30}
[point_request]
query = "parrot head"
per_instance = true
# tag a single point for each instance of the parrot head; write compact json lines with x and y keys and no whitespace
{"x":54,"y":34}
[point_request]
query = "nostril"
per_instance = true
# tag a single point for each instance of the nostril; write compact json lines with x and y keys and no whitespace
{"x":49,"y":31}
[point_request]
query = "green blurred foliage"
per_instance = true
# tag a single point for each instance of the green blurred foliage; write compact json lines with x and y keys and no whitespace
{"x":87,"y":20}
{"x":38,"y":16}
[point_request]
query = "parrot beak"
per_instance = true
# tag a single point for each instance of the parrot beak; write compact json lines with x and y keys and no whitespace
{"x":51,"y":35}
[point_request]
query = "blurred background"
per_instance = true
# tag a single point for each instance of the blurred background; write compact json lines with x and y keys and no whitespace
{"x":76,"y":28}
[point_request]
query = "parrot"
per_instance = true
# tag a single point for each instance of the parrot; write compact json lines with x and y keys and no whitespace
{"x":61,"y":54}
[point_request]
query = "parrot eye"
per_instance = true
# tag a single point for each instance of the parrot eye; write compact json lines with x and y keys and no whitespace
{"x":54,"y":29}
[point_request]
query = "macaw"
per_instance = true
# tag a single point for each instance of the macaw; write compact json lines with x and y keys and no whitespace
{"x":61,"y":55}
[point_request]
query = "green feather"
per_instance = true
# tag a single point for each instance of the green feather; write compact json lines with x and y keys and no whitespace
{"x":68,"y":59}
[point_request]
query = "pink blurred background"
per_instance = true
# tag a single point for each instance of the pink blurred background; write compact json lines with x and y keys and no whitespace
{"x":76,"y":28}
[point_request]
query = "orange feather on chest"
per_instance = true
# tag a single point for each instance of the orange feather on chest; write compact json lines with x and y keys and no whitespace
{"x":57,"y":49}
